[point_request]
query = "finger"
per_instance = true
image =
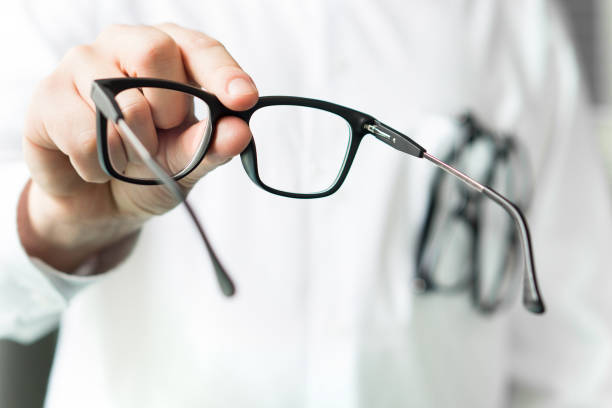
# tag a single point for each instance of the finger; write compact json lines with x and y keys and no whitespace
{"x":146,"y":51}
{"x":66,"y":133}
{"x":208,"y":63}
{"x":85,"y":64}
{"x":231,"y":137}
{"x":50,"y":168}
{"x":68,"y":113}
{"x":179,"y":146}
{"x":137,"y":114}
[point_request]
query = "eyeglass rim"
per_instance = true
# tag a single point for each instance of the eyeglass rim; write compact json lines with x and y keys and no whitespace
{"x":113,"y":86}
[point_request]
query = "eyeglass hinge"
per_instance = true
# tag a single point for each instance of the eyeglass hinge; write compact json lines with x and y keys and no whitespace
{"x":394,"y":139}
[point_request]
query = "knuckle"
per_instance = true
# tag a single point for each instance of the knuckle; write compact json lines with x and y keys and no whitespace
{"x":88,"y":142}
{"x":156,"y":48}
{"x":78,"y":53}
{"x":89,"y":175}
{"x":85,"y":146}
{"x":202,"y":41}
{"x":167,"y":24}
{"x":86,"y":174}
{"x":136,"y":111}
{"x":83,"y":156}
{"x":47,"y":86}
{"x":46,"y":95}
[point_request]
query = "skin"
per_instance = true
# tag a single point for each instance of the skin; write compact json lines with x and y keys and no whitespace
{"x":70,"y":209}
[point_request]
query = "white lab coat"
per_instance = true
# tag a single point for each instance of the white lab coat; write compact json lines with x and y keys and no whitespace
{"x":325,"y":315}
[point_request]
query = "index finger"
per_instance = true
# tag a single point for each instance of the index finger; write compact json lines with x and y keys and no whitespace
{"x":208,"y":63}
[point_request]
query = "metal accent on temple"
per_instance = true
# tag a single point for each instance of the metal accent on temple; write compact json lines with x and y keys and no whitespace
{"x":466,"y":179}
{"x":395,"y":139}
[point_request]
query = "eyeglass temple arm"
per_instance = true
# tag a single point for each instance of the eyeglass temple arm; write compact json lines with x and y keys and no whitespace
{"x":105,"y":101}
{"x":225,"y":282}
{"x":531,"y":292}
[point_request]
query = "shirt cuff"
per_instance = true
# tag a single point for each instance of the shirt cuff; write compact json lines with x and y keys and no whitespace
{"x":30,"y":306}
{"x":66,"y":284}
{"x":93,"y":270}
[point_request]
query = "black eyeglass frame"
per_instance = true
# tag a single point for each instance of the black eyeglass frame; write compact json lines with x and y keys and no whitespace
{"x":113,"y":86}
{"x":103,"y":94}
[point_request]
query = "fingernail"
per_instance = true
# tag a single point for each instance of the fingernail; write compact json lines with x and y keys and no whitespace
{"x":240,"y":86}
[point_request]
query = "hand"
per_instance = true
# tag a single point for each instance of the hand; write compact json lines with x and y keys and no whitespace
{"x":72,"y":209}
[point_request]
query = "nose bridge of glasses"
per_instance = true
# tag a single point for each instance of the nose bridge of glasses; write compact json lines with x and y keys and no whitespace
{"x":394,"y":139}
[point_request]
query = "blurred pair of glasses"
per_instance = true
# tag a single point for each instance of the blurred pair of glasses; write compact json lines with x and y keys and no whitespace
{"x":467,"y":243}
{"x":301,"y":148}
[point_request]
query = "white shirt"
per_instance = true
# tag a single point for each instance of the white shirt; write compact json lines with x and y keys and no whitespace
{"x":325,"y":314}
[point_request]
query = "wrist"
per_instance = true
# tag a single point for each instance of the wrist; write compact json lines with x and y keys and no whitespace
{"x":64,"y":232}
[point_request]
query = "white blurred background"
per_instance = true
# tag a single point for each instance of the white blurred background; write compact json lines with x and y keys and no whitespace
{"x":591,"y":26}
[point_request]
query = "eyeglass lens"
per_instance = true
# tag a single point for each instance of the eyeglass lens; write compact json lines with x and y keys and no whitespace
{"x":174,"y":127}
{"x":299,"y":149}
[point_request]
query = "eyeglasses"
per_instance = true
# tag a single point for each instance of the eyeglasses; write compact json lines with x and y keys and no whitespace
{"x":142,"y":144}
{"x":466,"y":243}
